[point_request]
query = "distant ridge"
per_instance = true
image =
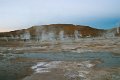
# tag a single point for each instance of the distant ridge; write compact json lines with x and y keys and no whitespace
{"x":68,"y":30}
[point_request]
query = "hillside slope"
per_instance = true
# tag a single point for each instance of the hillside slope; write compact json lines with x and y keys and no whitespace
{"x":58,"y":31}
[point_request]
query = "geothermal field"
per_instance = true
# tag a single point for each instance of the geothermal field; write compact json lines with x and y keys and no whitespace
{"x":60,"y":52}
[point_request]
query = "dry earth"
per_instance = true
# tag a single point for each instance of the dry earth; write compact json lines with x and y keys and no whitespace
{"x":81,"y":45}
{"x":66,"y":70}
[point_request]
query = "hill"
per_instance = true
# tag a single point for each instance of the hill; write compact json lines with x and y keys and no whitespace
{"x":58,"y":32}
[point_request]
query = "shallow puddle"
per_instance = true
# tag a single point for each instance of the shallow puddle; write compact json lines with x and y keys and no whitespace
{"x":108,"y":59}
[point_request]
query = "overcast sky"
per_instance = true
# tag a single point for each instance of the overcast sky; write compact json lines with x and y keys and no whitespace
{"x":19,"y":14}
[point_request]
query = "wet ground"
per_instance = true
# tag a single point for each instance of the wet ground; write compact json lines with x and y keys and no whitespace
{"x":60,"y":66}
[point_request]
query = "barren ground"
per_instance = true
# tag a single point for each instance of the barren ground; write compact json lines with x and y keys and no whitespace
{"x":66,"y":70}
{"x":81,"y":45}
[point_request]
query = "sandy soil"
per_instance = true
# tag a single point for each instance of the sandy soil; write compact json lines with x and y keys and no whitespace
{"x":81,"y":45}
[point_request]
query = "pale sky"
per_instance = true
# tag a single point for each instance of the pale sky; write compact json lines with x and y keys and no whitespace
{"x":20,"y":14}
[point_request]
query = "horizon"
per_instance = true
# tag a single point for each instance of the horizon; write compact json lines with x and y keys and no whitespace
{"x":15,"y":15}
